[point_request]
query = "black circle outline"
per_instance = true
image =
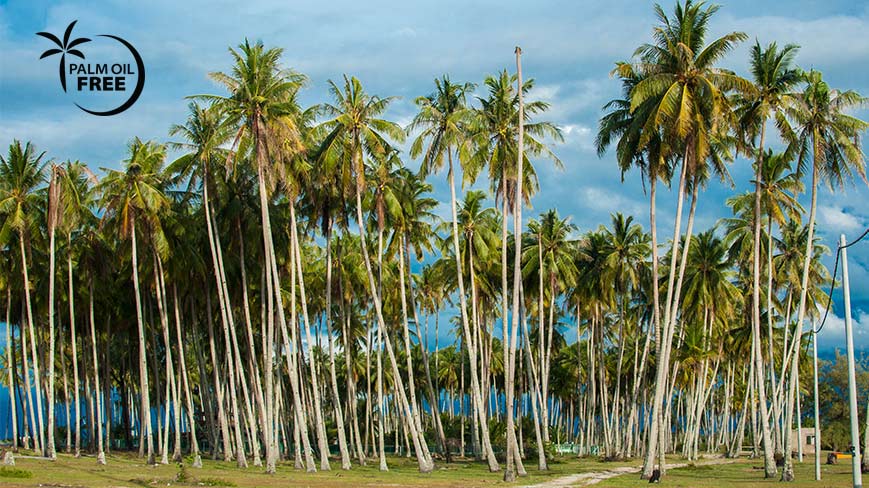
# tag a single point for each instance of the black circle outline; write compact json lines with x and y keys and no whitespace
{"x":140,"y":84}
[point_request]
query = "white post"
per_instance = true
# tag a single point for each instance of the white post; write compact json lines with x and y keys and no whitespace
{"x":852,"y":382}
{"x":817,"y":416}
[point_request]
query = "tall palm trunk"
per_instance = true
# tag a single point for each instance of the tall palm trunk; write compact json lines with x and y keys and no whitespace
{"x":75,"y":380}
{"x":788,"y":471}
{"x":101,"y":455}
{"x":411,"y":384}
{"x":769,"y":467}
{"x":425,"y":465}
{"x":49,"y":449}
{"x":277,"y":305}
{"x":511,"y":462}
{"x":769,"y":320}
{"x":10,"y":361}
{"x":327,"y":317}
{"x":145,"y":399}
{"x":476,"y":397}
{"x":655,"y":446}
{"x":188,"y":398}
{"x":296,"y":259}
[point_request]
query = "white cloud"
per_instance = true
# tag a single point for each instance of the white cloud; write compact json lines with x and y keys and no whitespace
{"x":837,"y":219}
{"x":832,"y":336}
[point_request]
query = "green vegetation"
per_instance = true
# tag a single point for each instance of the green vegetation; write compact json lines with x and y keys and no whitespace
{"x":7,"y":472}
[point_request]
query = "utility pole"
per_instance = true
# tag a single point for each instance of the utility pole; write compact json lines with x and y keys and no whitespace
{"x":852,"y":383}
{"x":817,"y":416}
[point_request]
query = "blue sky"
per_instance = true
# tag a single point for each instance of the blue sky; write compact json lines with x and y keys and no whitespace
{"x":398,"y":48}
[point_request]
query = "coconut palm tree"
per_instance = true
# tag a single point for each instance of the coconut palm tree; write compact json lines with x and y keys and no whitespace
{"x":679,"y":73}
{"x":22,"y":172}
{"x":261,"y":105}
{"x":355,"y":129}
{"x":75,"y":202}
{"x":817,"y":123}
{"x":625,"y":252}
{"x":413,"y":232}
{"x":502,"y":136}
{"x":774,"y":76}
{"x":130,"y":196}
{"x":442,"y":122}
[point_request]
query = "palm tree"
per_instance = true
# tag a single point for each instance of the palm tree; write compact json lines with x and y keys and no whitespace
{"x":206,"y":131}
{"x":354,"y":129}
{"x":128,"y":196}
{"x":774,"y":77}
{"x":625,"y":252}
{"x":679,"y":74}
{"x":63,"y":48}
{"x":779,"y":188}
{"x":502,"y":135}
{"x":653,"y":158}
{"x":262,"y":103}
{"x":21,"y":174}
{"x":74,"y":200}
{"x":324,"y":203}
{"x":443,"y":120}
{"x":820,"y":128}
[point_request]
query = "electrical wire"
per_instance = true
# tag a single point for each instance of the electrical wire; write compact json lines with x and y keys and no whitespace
{"x":833,"y":278}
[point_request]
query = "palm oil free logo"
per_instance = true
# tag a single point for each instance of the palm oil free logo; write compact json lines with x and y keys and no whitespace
{"x":109,"y":80}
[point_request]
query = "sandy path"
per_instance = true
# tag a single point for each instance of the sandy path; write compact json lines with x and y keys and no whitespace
{"x":587,"y":479}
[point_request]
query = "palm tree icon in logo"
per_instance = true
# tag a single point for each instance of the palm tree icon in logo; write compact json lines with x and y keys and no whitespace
{"x":65,"y":47}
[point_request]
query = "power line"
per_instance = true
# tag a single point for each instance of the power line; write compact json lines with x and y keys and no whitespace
{"x":833,"y":279}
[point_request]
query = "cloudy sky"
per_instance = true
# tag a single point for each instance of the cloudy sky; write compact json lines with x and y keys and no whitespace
{"x":398,"y":48}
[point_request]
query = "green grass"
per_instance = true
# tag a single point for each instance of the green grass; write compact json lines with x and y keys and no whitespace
{"x":7,"y":472}
{"x":743,"y":474}
{"x":126,"y":470}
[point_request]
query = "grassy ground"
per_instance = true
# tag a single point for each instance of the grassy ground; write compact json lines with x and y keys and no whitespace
{"x":125,"y":470}
{"x":743,"y":474}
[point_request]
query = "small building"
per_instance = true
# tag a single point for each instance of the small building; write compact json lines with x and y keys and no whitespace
{"x":806,"y":439}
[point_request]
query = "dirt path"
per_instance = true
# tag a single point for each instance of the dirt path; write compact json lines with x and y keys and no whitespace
{"x":587,"y":479}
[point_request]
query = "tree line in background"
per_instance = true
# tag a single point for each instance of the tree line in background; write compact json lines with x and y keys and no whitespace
{"x":271,"y":293}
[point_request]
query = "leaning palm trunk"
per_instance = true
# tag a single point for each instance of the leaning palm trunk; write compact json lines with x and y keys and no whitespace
{"x":9,"y":371}
{"x":75,"y":381}
{"x":327,"y":315}
{"x":223,"y":291}
{"x":425,"y":465}
{"x":476,"y":396}
{"x":535,"y":395}
{"x":225,"y":317}
{"x":252,"y":358}
{"x":101,"y":455}
{"x":218,"y":390}
{"x":788,"y":471}
{"x":164,"y":324}
{"x":769,"y":467}
{"x":296,"y":258}
{"x":145,"y":400}
{"x":432,"y":395}
{"x":275,"y":302}
{"x":655,"y":445}
{"x":417,"y":420}
{"x":188,"y":398}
